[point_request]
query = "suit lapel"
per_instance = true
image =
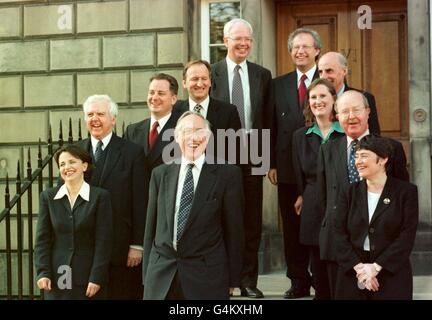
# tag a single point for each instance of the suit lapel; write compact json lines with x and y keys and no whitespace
{"x":212,"y":114}
{"x":386,"y":198}
{"x":143,"y":133}
{"x":221,"y":73}
{"x":254,"y":88}
{"x":113,"y":155}
{"x":170,"y":190}
{"x":342,"y":160}
{"x":156,"y":152}
{"x":204,"y":187}
{"x":364,"y":214}
{"x":314,"y":143}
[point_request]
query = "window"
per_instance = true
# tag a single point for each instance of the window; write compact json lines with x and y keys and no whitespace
{"x":214,"y":15}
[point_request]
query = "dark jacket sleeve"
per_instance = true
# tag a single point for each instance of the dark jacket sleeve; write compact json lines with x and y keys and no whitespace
{"x":398,"y":162}
{"x":103,"y":239}
{"x":44,"y":240}
{"x":374,"y":126}
{"x":299,"y":176}
{"x":398,"y":252}
{"x":139,"y":198}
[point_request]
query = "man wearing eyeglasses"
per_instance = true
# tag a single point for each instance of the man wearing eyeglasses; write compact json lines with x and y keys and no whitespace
{"x":248,"y":86}
{"x":336,"y":169}
{"x":290,"y":90}
{"x":333,"y":66}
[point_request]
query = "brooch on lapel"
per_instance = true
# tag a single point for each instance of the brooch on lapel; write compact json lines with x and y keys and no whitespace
{"x":386,"y":200}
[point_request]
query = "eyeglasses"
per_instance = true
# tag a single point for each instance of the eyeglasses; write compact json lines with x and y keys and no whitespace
{"x":305,"y":48}
{"x":198,"y":133}
{"x":240,"y":39}
{"x":355,"y":112}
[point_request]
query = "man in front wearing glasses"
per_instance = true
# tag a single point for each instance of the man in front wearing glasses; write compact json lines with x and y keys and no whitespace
{"x":336,"y":170}
{"x":290,"y":90}
{"x":247,"y":86}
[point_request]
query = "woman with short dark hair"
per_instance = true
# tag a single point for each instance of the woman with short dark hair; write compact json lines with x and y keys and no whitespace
{"x":74,"y":232}
{"x":375,"y":224}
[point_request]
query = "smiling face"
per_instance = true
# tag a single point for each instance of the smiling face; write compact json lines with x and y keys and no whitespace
{"x":98,"y":119}
{"x":369,"y":164}
{"x":197,"y":82}
{"x":303,"y":51}
{"x":329,"y":68}
{"x":238,"y":42}
{"x":160,"y":99}
{"x":321,"y":102}
{"x":352,"y":114}
{"x":71,"y":168}
{"x":192,"y":135}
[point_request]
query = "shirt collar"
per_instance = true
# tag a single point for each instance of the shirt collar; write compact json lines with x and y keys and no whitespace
{"x":309,"y":74}
{"x":105,"y":141}
{"x":204,"y":104}
{"x":199,"y":162}
{"x":342,"y":90}
{"x":84,"y":192}
{"x":231,"y":65}
{"x":334,"y":127}
{"x":349,"y":139}
{"x":162,"y":121}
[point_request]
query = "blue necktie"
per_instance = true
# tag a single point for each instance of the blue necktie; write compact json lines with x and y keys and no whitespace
{"x":353,"y":175}
{"x":185,"y":201}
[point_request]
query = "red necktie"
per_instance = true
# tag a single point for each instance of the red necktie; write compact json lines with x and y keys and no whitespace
{"x":302,"y":90}
{"x":153,"y":134}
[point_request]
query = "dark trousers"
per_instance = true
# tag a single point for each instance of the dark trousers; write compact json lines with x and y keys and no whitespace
{"x":319,"y":275}
{"x":332,"y":269}
{"x":175,"y":291}
{"x":296,"y":254}
{"x":253,"y":192}
{"x":125,"y":283}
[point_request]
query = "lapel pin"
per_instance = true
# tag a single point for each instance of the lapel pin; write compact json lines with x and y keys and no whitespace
{"x":386,"y":200}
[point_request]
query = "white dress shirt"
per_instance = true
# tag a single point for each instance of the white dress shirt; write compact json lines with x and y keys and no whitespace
{"x":244,"y":75}
{"x":162,"y":122}
{"x":204,"y":104}
{"x":309,"y":74}
{"x":84,"y":193}
{"x":105,"y":142}
{"x":196,"y":171}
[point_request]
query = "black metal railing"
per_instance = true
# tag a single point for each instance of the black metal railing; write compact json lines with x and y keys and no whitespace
{"x":17,"y":271}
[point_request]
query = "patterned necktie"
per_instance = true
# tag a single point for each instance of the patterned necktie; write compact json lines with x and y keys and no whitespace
{"x":353,"y":175}
{"x":185,"y":201}
{"x":237,"y":94}
{"x":99,"y":151}
{"x":302,"y":90}
{"x":198,"y":108}
{"x":153,"y":134}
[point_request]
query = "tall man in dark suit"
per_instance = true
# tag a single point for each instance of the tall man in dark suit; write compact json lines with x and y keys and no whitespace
{"x":289,"y":96}
{"x":148,"y":133}
{"x":333,"y":66}
{"x":119,"y":168}
{"x":220,"y":114}
{"x":336,"y":169}
{"x":194,"y":237}
{"x":247,"y":86}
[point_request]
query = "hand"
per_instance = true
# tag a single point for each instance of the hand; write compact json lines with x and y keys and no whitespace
{"x":272,"y":176}
{"x":366,"y":274}
{"x":92,"y":289}
{"x":134,"y":257}
{"x":372,"y":284}
{"x":298,"y":205}
{"x":231,"y":292}
{"x":44,"y":284}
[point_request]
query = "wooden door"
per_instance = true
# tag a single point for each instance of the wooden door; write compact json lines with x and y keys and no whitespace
{"x":377,"y":57}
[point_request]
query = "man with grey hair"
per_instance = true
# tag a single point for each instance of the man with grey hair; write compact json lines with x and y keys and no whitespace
{"x":290,"y":90}
{"x":194,"y":236}
{"x":333,"y":66}
{"x":247,"y":86}
{"x":119,"y":168}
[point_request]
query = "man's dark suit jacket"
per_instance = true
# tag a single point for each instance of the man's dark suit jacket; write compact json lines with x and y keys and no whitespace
{"x":260,"y":87}
{"x":391,"y":232}
{"x":139,"y":132}
{"x":208,"y":259}
{"x":287,"y":119}
{"x":332,"y":178}
{"x":80,"y":238}
{"x":373,"y":122}
{"x":123,"y":175}
{"x":220,"y":114}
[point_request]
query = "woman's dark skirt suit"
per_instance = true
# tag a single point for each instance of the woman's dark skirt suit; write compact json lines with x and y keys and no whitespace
{"x":79,"y":238}
{"x":391,"y":232}
{"x":306,"y":145}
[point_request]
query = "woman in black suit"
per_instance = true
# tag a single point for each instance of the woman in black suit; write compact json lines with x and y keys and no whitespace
{"x":321,"y":126}
{"x":74,"y":232}
{"x":375,"y":224}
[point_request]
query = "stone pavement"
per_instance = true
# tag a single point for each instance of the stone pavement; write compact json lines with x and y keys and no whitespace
{"x":275,"y":284}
